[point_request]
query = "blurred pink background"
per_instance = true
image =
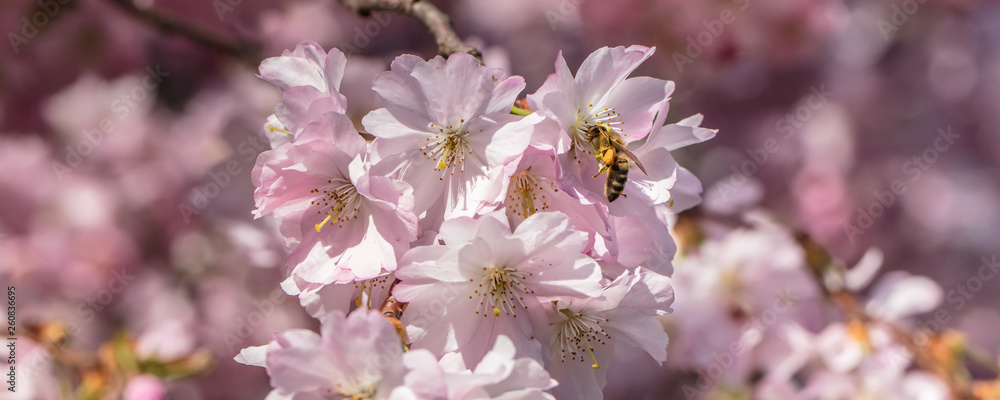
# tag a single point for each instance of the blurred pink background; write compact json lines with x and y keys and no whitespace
{"x":127,"y":152}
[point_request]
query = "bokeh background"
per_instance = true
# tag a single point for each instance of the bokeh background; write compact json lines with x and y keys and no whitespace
{"x":126,"y":148}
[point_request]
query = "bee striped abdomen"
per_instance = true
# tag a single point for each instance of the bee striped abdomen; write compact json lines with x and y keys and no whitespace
{"x":617,"y":176}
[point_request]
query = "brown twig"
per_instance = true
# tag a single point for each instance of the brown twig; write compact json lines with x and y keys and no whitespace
{"x":437,"y":22}
{"x":242,"y":51}
{"x":392,"y":309}
{"x":820,"y":261}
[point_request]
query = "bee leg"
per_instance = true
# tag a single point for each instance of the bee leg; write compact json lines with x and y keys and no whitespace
{"x":606,"y":159}
{"x":603,"y":170}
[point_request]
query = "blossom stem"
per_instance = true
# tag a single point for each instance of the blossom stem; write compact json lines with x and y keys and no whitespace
{"x":242,"y":51}
{"x":821,"y":261}
{"x":393,"y":309}
{"x":519,"y":111}
{"x":436,"y":21}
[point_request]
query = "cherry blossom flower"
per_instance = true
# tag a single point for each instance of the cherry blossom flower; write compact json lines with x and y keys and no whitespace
{"x":737,"y":289}
{"x":357,"y":356}
{"x":341,"y":222}
{"x":531,"y":186}
{"x":309,"y":80}
{"x":916,"y":385}
{"x":498,"y":376}
{"x":445,"y":124}
{"x":319,"y":300}
{"x":895,"y":295}
{"x":144,"y":387}
{"x":584,"y":331}
{"x":466,"y":292}
{"x":635,"y":240}
{"x":874,"y":345}
{"x":845,"y":346}
{"x":664,"y":181}
{"x":600,"y":94}
{"x":307,"y":65}
{"x":661,"y":182}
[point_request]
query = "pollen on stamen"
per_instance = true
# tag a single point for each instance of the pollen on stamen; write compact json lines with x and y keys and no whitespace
{"x":578,"y":332}
{"x":340,"y":201}
{"x":503,"y":291}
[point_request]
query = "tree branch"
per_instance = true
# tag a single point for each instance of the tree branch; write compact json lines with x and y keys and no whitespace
{"x":242,"y":51}
{"x":437,"y":22}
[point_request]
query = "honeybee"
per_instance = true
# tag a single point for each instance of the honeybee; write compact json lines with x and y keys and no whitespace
{"x":613,"y":157}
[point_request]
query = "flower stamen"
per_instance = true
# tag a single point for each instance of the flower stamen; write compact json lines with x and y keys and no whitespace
{"x":448,"y":148}
{"x":273,"y":129}
{"x":354,"y":390}
{"x":523,"y":193}
{"x":577,"y":332}
{"x":367,"y":287}
{"x":341,"y":201}
{"x":502,"y":289}
{"x":587,"y":119}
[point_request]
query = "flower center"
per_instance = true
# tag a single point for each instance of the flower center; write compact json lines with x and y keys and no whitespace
{"x":366,"y":287}
{"x":339,"y":199}
{"x":448,"y":148}
{"x":576,"y":334}
{"x":522,"y":193}
{"x":502,"y":289}
{"x":592,"y":116}
{"x":354,"y":390}
{"x":588,"y":118}
{"x":731,"y":285}
{"x":857,"y":331}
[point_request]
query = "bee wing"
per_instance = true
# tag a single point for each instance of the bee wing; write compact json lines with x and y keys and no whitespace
{"x":623,"y":150}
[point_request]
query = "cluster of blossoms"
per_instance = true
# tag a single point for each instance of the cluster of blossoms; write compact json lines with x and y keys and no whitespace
{"x":488,"y":220}
{"x":762,"y":314}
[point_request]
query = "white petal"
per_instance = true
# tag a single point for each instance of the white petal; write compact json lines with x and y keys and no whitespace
{"x":254,"y":355}
{"x":899,"y":294}
{"x":605,"y":68}
{"x":861,"y":275}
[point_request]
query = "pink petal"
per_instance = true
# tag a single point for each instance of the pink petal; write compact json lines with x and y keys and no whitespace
{"x":606,"y":67}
